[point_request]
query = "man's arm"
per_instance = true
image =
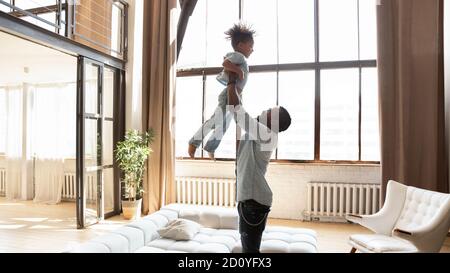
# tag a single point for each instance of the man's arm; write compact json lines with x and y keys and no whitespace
{"x":231,"y":90}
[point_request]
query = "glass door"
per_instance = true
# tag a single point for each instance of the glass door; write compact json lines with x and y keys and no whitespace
{"x":97,"y":186}
{"x":110,"y":81}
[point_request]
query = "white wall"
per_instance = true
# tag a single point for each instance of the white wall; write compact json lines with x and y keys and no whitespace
{"x":133,"y":115}
{"x":287,"y":181}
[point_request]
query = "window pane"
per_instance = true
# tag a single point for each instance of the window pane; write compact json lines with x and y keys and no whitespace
{"x":53,"y":123}
{"x":91,"y":181}
{"x":14,"y":120}
{"x":260,"y":94}
{"x":221,"y":15}
{"x":193,"y":50}
{"x":116,"y":27}
{"x":262,"y":15}
{"x":108,"y":92}
{"x":91,"y":88}
{"x":108,"y":182}
{"x":339,"y":114}
{"x":296,"y":44}
{"x":92,"y":143}
{"x":188,"y":107}
{"x":297,"y":94}
{"x":370,"y":135}
{"x":204,"y":43}
{"x":368,"y":29}
{"x":338,"y":28}
{"x":108,"y":133}
{"x":227,"y":147}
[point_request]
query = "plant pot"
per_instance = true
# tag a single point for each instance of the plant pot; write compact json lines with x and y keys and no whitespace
{"x":131,"y":209}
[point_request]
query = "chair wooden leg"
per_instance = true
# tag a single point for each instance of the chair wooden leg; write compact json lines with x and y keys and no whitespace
{"x":353,"y":250}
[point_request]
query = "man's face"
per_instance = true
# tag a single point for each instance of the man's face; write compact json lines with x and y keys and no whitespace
{"x":266,"y":117}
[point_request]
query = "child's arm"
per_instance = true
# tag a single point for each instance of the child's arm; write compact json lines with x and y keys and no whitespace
{"x":229,"y":66}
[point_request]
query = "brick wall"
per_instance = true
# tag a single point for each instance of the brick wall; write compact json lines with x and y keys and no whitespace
{"x":287,"y":181}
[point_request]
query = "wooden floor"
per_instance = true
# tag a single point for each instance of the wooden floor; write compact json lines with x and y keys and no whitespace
{"x":29,"y":227}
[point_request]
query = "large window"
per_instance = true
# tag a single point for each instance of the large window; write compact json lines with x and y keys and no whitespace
{"x":317,"y":58}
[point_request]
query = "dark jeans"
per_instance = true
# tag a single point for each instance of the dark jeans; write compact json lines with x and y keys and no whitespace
{"x":252,"y":222}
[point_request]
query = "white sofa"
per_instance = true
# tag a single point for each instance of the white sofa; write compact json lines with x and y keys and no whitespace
{"x":218,"y":235}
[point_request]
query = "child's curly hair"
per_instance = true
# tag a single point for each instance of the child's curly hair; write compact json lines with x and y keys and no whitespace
{"x":239,"y":33}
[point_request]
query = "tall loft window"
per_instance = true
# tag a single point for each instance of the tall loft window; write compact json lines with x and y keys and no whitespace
{"x":317,"y":58}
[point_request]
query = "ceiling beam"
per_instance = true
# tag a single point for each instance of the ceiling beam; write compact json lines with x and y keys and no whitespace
{"x":187,"y":8}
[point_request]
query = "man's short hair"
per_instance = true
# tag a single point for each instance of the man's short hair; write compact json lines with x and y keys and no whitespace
{"x":239,"y":33}
{"x":284,"y":119}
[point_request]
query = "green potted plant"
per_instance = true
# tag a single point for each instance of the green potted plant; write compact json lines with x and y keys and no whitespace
{"x":131,"y":155}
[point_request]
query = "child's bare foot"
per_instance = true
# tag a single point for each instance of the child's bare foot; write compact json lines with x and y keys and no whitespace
{"x":211,"y":155}
{"x":191,"y":150}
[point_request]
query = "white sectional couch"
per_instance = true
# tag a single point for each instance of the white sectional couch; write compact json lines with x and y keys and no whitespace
{"x":219,"y":234}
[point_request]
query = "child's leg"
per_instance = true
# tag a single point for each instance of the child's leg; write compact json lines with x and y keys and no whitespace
{"x":221,"y":127}
{"x":209,"y":125}
{"x":206,"y":127}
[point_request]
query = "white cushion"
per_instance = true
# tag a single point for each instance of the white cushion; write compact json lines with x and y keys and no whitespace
{"x":115,"y":242}
{"x":218,"y":233}
{"x":227,"y":238}
{"x":149,"y":249}
{"x":285,"y":240}
{"x":212,"y":248}
{"x":207,"y":240}
{"x":149,"y":229}
{"x":91,"y":247}
{"x":381,"y":243}
{"x":208,"y":216}
{"x":180,"y":229}
{"x":134,"y":236}
{"x":157,"y":219}
{"x":420,"y":207}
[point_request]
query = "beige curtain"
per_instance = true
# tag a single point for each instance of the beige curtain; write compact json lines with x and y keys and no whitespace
{"x":159,"y":74}
{"x":410,"y":63}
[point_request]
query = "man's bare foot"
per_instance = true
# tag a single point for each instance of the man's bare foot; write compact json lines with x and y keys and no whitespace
{"x":211,"y":155}
{"x":191,"y":150}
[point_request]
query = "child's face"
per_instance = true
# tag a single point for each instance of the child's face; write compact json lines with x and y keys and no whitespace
{"x":246,"y":48}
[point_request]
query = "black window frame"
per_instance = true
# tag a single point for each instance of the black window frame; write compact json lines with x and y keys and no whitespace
{"x":317,"y":66}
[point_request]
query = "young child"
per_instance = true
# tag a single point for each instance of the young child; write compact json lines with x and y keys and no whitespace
{"x":241,"y":37}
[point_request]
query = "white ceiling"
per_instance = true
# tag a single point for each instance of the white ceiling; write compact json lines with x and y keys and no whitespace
{"x":44,"y":64}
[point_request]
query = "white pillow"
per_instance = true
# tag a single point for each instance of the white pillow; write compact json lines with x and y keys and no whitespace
{"x":180,"y":229}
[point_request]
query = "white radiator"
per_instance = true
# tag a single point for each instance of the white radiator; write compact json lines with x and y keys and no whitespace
{"x":2,"y":182}
{"x":206,"y":191}
{"x":69,"y":188}
{"x":330,"y":202}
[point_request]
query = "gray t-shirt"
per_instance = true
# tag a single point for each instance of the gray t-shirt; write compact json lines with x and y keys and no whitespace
{"x":255,"y":149}
{"x":238,"y":59}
